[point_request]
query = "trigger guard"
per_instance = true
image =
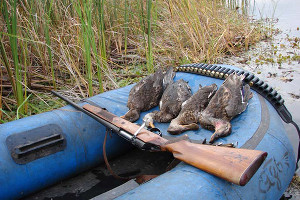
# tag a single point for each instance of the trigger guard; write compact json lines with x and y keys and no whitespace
{"x":156,"y":131}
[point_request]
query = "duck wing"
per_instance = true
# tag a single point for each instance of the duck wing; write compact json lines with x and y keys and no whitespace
{"x":240,"y":95}
{"x":170,"y":104}
{"x":191,"y":109}
{"x":168,"y":77}
{"x":217,"y":106}
{"x":239,"y":101}
{"x":146,"y":93}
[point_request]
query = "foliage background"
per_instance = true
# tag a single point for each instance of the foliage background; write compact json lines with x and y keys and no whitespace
{"x":90,"y":46}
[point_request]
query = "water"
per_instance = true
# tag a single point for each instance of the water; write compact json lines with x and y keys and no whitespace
{"x":277,"y":61}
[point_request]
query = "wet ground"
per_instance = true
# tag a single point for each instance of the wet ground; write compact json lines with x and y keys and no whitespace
{"x":277,"y":61}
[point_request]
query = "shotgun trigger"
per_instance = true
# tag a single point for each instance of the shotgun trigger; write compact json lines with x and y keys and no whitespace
{"x":156,"y":131}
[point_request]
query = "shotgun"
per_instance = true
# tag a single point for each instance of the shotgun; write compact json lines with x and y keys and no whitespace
{"x":231,"y":164}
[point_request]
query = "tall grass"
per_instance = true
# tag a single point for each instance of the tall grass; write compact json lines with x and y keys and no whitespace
{"x":86,"y":46}
{"x":24,"y":57}
{"x":149,"y":40}
{"x":11,"y":25}
{"x":142,"y":25}
{"x":7,"y":66}
{"x":83,"y":9}
{"x":48,"y":41}
{"x":102,"y":63}
{"x":126,"y":25}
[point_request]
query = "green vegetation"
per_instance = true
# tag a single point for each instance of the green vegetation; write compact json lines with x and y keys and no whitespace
{"x":286,"y":52}
{"x":87,"y":47}
{"x":11,"y":25}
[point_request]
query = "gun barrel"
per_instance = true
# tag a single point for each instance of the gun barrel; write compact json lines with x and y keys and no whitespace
{"x":105,"y":123}
{"x":124,"y":134}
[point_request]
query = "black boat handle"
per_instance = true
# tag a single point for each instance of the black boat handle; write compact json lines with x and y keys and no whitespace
{"x":38,"y":146}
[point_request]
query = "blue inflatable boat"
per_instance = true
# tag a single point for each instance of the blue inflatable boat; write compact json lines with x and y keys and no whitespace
{"x":41,"y":150}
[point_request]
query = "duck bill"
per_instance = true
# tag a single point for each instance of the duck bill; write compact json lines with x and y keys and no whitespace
{"x":124,"y":116}
{"x":213,"y":138}
{"x":151,"y":125}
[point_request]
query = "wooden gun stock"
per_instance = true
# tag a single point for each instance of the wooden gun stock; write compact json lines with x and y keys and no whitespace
{"x":231,"y":164}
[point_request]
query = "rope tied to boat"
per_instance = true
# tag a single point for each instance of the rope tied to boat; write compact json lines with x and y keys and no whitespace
{"x":140,"y":179}
{"x":115,"y":175}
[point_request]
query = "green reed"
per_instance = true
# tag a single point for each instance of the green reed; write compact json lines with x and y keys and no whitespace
{"x":83,"y":9}
{"x":149,"y":54}
{"x":7,"y":66}
{"x":19,"y":107}
{"x":141,"y":17}
{"x":48,"y":42}
{"x":24,"y":56}
{"x":102,"y":59}
{"x":126,"y":18}
{"x":11,"y":24}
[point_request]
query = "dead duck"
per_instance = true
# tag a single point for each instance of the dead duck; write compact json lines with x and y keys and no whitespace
{"x":170,"y":104}
{"x":189,"y":114}
{"x":229,"y":101}
{"x":147,"y":93}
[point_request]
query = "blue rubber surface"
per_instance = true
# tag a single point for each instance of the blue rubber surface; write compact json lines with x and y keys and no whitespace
{"x":84,"y":150}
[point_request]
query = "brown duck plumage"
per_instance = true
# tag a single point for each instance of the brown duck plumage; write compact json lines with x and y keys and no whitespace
{"x":189,"y":114}
{"x":170,"y":104}
{"x":147,"y":93}
{"x":230,"y":100}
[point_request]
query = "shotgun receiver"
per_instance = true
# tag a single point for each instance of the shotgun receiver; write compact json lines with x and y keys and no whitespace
{"x":231,"y":164}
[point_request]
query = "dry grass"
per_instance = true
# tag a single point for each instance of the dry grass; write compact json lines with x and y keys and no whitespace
{"x":113,"y":41}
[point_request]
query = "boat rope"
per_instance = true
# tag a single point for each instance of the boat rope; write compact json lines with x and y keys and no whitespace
{"x":268,"y":92}
{"x":140,"y":179}
{"x":115,"y":175}
{"x":107,"y":163}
